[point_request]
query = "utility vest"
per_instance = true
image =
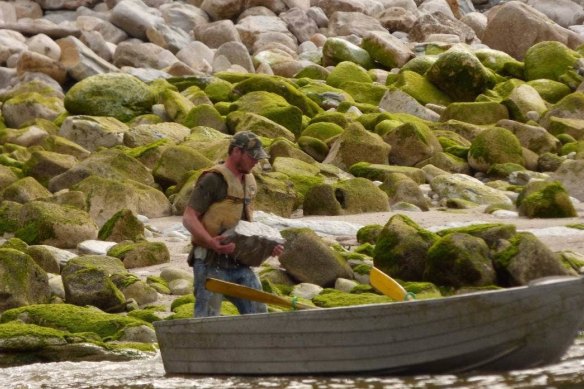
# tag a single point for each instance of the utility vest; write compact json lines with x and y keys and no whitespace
{"x":236,"y":206}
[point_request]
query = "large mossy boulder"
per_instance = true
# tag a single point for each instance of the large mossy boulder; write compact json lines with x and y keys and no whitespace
{"x":401,"y":188}
{"x":18,"y":337}
{"x":148,"y":133}
{"x":549,"y":60}
{"x":44,"y":165}
{"x":569,"y":107}
{"x":108,"y":196}
{"x":401,"y":248}
{"x":356,"y":195}
{"x":526,"y":258}
{"x":491,"y":233}
{"x":118,"y":95}
{"x":18,"y":110}
{"x":92,"y":286}
{"x":93,"y":132}
{"x":461,"y":186}
{"x":541,"y":199}
{"x":459,"y":259}
{"x":356,"y":144}
{"x":24,"y":190}
{"x":411,"y":143}
{"x":302,"y":175}
{"x":280,"y":86}
{"x":123,"y":225}
{"x":238,"y":121}
{"x":9,"y":211}
{"x":55,"y":225}
{"x":140,"y":254}
{"x":22,"y":281}
{"x":337,"y":50}
{"x":330,"y":298}
{"x":523,"y":101}
{"x":419,"y":87}
{"x":272,"y":106}
{"x":74,"y":319}
{"x":460,"y":75}
{"x":387,"y":49}
{"x":109,"y":163}
{"x":276,"y":194}
{"x":482,"y":112}
{"x":307,"y":258}
{"x":492,"y":146}
{"x":175,"y":162}
{"x":347,"y":71}
{"x":379,"y":172}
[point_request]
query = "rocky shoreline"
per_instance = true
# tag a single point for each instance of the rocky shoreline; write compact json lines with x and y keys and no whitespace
{"x":398,"y":115}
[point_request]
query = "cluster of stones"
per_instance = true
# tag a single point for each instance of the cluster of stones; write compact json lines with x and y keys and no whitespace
{"x":112,"y":109}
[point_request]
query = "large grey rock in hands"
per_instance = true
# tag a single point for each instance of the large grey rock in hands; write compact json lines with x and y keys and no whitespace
{"x":254,"y":241}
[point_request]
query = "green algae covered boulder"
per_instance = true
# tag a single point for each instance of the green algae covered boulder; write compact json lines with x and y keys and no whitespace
{"x":140,"y":254}
{"x":378,"y":172}
{"x":238,"y":121}
{"x":418,"y":86}
{"x":314,"y":147}
{"x":369,"y":233}
{"x":550,"y":60}
{"x":401,"y":248}
{"x":524,"y":100}
{"x":459,"y":259}
{"x":74,"y":319}
{"x":542,"y":199}
{"x":347,"y":197}
{"x":271,"y":106}
{"x":276,"y":194}
{"x":330,"y":298}
{"x":54,"y":225}
{"x":123,"y":225}
{"x":177,"y":160}
{"x":347,"y":71}
{"x":108,"y":196}
{"x":491,"y":233}
{"x":494,"y":145}
{"x":487,"y":112}
{"x":9,"y":211}
{"x":420,"y":64}
{"x":322,"y":130}
{"x":364,"y":92}
{"x":411,"y":143}
{"x":550,"y":90}
{"x":308,"y":258}
{"x":386,"y":49}
{"x":22,"y":281}
{"x":302,"y":175}
{"x":500,"y":62}
{"x":356,"y":144}
{"x":460,"y":75}
{"x":569,"y":107}
{"x":279,"y":86}
{"x":337,"y":50}
{"x":119,"y":95}
{"x":524,"y":259}
{"x":21,"y":337}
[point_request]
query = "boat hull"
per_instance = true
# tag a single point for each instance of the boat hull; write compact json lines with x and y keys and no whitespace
{"x":497,"y":330}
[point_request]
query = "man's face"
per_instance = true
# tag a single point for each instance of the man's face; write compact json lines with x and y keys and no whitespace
{"x":245,"y":162}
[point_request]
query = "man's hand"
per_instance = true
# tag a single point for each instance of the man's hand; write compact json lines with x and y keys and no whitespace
{"x":278,"y":250}
{"x":219,"y":245}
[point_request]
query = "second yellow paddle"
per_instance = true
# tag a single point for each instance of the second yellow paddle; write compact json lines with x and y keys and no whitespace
{"x":388,"y":286}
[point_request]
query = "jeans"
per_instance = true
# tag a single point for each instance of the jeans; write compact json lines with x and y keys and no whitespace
{"x":209,"y":304}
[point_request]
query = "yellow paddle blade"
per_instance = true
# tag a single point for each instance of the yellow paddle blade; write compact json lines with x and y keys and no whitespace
{"x":388,"y":286}
{"x":240,"y":291}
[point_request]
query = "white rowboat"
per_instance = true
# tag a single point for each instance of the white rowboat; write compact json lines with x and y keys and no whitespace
{"x":508,"y":329}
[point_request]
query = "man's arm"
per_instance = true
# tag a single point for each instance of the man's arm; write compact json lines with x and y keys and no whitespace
{"x":192,"y":222}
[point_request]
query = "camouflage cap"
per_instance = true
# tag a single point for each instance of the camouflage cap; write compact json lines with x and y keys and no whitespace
{"x":248,"y":141}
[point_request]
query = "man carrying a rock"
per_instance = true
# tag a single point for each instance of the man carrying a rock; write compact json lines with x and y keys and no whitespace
{"x":221,"y":198}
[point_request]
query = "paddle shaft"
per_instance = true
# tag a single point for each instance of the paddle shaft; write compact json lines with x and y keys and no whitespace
{"x":244,"y":292}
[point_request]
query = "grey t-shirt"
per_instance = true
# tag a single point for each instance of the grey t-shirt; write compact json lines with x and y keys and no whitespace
{"x":210,"y":189}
